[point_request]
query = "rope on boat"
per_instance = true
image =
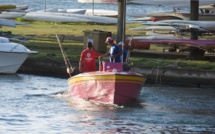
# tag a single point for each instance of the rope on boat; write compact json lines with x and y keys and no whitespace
{"x":150,"y":72}
{"x":158,"y":73}
{"x":129,"y":47}
{"x":70,"y":69}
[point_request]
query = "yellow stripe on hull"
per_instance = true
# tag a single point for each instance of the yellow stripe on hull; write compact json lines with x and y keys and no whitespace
{"x":107,"y":78}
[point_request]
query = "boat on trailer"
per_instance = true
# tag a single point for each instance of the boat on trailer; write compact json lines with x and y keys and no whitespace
{"x":110,"y":85}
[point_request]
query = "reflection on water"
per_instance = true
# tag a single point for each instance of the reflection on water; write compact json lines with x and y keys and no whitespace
{"x":35,"y":104}
{"x":4,"y":77}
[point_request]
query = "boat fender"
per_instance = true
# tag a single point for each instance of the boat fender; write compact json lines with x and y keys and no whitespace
{"x":112,"y":70}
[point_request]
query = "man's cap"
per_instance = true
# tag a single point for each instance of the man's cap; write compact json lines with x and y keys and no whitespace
{"x":121,"y":43}
{"x":89,"y":44}
{"x":109,"y":39}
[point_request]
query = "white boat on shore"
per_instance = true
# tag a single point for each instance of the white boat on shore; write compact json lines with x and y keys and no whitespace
{"x":68,"y":17}
{"x":12,"y":56}
{"x":11,"y":15}
{"x":107,"y":1}
{"x":98,"y":1}
{"x":158,"y":16}
{"x":97,"y":12}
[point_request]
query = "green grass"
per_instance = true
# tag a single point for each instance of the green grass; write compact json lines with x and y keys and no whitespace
{"x":50,"y":28}
{"x":46,"y":48}
{"x":179,"y":63}
{"x":46,"y":44}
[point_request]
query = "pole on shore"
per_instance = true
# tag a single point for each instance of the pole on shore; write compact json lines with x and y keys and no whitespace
{"x":194,"y":16}
{"x":121,"y":20}
{"x":93,"y":8}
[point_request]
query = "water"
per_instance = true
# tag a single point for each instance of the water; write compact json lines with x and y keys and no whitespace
{"x":132,"y":9}
{"x":41,"y":105}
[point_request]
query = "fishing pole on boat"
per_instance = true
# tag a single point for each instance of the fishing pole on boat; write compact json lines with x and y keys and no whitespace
{"x":69,"y":67}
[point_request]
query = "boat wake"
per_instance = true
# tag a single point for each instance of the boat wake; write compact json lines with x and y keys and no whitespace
{"x":79,"y":103}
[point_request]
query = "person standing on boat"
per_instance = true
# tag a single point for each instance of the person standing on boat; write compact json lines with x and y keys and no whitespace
{"x":125,"y":52}
{"x":87,"y":61}
{"x":125,"y":57}
{"x":114,"y":53}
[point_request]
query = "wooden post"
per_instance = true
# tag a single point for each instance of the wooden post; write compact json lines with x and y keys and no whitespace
{"x":121,"y":20}
{"x":194,"y":16}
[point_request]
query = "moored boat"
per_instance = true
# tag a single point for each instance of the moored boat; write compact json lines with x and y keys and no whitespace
{"x":107,"y":87}
{"x":12,"y":56}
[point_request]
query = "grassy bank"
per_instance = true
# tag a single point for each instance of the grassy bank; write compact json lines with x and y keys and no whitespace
{"x":42,"y":39}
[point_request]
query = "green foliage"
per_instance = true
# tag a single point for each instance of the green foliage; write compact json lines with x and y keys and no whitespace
{"x":20,"y":20}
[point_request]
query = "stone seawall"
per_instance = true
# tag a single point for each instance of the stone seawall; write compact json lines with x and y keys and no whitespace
{"x":46,"y":66}
{"x":159,"y":75}
{"x":166,"y":75}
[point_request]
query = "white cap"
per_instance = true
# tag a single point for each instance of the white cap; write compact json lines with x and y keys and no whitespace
{"x":109,"y":39}
{"x":121,"y":43}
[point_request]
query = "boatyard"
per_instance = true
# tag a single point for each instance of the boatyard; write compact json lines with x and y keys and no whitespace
{"x":124,"y":31}
{"x":107,"y":66}
{"x":51,"y":62}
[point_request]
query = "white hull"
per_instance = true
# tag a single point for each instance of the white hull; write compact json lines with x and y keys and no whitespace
{"x":53,"y":17}
{"x":103,"y":1}
{"x":97,"y":12}
{"x":12,"y":56}
{"x":158,"y":16}
{"x":173,"y":3}
{"x":67,"y":17}
{"x":11,"y":15}
{"x":10,"y":62}
{"x":5,"y":22}
{"x":98,"y":1}
{"x":154,"y":28}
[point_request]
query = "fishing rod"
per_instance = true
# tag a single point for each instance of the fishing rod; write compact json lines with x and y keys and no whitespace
{"x":70,"y":69}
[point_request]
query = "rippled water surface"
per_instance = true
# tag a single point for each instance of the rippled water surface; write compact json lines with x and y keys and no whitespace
{"x":132,"y":9}
{"x":36,"y":104}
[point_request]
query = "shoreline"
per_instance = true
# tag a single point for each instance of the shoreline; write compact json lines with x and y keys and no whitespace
{"x":159,"y":75}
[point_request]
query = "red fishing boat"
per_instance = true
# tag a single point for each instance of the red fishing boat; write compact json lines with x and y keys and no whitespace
{"x":110,"y":86}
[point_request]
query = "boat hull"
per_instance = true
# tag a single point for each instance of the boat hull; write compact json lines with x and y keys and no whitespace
{"x":11,"y":62}
{"x":107,"y":87}
{"x":12,"y":56}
